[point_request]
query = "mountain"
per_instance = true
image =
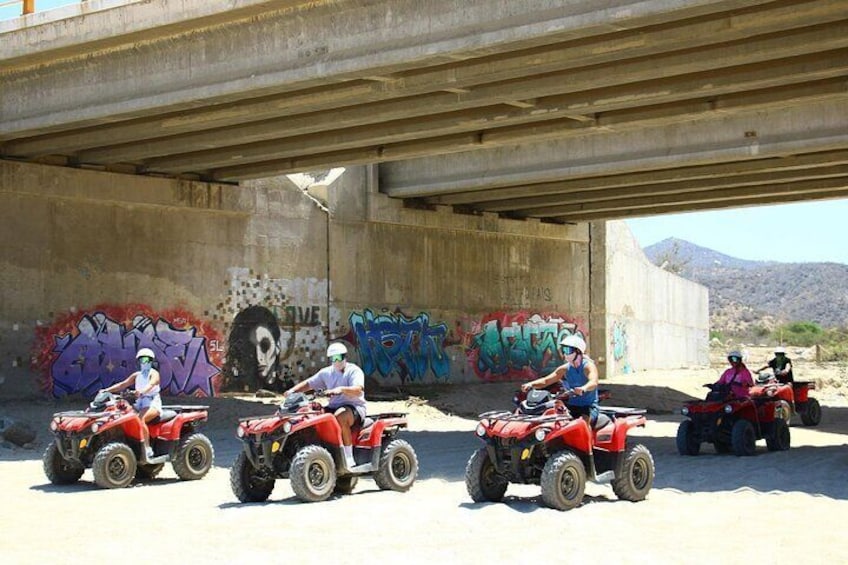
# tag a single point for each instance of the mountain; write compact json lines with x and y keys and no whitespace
{"x":766,"y":293}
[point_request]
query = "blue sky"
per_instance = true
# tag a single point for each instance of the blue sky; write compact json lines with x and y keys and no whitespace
{"x":13,"y":11}
{"x":803,"y":232}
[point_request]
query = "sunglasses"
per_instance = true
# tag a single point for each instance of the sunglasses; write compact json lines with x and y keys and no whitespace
{"x":145,"y":360}
{"x":337,"y":358}
{"x":734,"y":359}
{"x":568,"y":350}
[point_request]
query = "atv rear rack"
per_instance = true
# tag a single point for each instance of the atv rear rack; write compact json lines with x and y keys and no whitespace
{"x":512,"y":417}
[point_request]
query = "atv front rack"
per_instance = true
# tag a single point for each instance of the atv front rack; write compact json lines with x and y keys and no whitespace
{"x":513,"y":417}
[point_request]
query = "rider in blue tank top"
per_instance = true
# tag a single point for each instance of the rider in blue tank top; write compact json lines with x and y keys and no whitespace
{"x":578,"y":373}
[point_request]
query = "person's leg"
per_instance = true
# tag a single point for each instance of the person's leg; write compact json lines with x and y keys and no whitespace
{"x":345,"y":417}
{"x":147,"y":415}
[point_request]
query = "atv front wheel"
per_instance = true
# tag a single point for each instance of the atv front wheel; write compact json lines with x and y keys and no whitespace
{"x":346,"y":484}
{"x":147,"y":472}
{"x":780,"y":437}
{"x":637,"y":475}
{"x":563,"y":481}
{"x":114,"y":465}
{"x":482,"y":480}
{"x":59,"y":470}
{"x":812,"y":415}
{"x":313,"y":474}
{"x":194,"y":457}
{"x":250,"y":484}
{"x":687,"y":443}
{"x":398,"y":467}
{"x":743,"y":438}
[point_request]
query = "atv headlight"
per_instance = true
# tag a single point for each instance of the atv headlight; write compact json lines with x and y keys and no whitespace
{"x":540,"y":434}
{"x":240,"y":432}
{"x":728,"y":408}
{"x":481,"y":430}
{"x":287,"y":426}
{"x":685,"y":410}
{"x":95,"y":427}
{"x":771,"y":391}
{"x":54,"y":424}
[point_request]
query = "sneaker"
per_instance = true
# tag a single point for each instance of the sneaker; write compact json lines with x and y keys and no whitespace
{"x":149,"y":452}
{"x":350,"y":463}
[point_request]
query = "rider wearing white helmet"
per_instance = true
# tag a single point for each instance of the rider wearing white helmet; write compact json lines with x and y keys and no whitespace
{"x":735,"y":381}
{"x":344,"y":382}
{"x":781,"y":365}
{"x":578,"y":373}
{"x":146,"y":383}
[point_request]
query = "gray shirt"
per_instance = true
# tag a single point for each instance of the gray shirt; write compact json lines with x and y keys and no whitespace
{"x":329,"y":377}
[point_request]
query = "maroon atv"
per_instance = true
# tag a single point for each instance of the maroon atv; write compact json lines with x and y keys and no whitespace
{"x":793,"y":397}
{"x":303,"y":443}
{"x":732,"y":424}
{"x":540,"y":443}
{"x":107,"y":437}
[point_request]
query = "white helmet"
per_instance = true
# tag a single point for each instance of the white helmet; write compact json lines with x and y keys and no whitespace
{"x":336,"y":349}
{"x":575,"y":341}
{"x":780,"y":349}
{"x":734,"y":353}
{"x":145,"y":352}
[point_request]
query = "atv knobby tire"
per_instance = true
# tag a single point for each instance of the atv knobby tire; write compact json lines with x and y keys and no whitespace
{"x":482,"y":480}
{"x":346,"y":484}
{"x":398,"y":466}
{"x":313,"y":474}
{"x":563,"y":481}
{"x":250,"y":484}
{"x":813,"y":413}
{"x":194,"y":457}
{"x":59,"y":470}
{"x":743,"y":438}
{"x":114,"y":465}
{"x":780,"y":438}
{"x":687,"y":444}
{"x":146,"y":472}
{"x":637,"y":475}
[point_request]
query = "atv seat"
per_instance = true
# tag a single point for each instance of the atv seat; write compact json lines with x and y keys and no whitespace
{"x":601,"y":421}
{"x":165,"y":416}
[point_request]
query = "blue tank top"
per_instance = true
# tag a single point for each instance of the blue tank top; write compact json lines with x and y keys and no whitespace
{"x":575,"y":377}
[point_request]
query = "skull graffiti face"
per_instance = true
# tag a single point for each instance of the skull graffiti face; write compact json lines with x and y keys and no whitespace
{"x":266,"y":349}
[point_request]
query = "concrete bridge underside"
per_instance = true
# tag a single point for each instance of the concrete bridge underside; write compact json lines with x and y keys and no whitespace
{"x":561,"y":111}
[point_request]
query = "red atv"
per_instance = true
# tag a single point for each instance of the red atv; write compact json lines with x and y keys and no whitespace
{"x":107,"y":438}
{"x":303,"y":443}
{"x":793,"y":398}
{"x":540,"y":443}
{"x":731,"y":423}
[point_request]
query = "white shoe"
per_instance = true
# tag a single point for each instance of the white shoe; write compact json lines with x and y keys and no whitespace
{"x":350,"y":464}
{"x":149,"y":452}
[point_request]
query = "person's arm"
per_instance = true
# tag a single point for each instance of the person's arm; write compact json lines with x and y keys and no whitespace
{"x":355,"y":388}
{"x":121,"y":385}
{"x":542,"y":382}
{"x":591,"y":372}
{"x":302,"y":386}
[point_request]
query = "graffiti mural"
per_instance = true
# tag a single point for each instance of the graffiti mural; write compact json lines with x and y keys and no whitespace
{"x":82,"y":352}
{"x":397,"y":345}
{"x":276,"y":329}
{"x":520,"y":346}
{"x":618,"y":343}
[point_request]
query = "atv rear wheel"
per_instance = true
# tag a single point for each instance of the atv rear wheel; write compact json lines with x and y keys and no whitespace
{"x":346,"y":484}
{"x":812,"y":415}
{"x":780,"y":437}
{"x":637,"y":475}
{"x":743,"y":438}
{"x":398,"y":467}
{"x":147,"y":472}
{"x":194,"y":457}
{"x":563,"y":481}
{"x":59,"y":470}
{"x":250,"y":484}
{"x":482,"y":480}
{"x":114,"y":465}
{"x":313,"y":474}
{"x":687,"y":443}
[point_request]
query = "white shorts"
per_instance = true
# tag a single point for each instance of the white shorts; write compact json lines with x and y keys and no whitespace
{"x":154,"y":403}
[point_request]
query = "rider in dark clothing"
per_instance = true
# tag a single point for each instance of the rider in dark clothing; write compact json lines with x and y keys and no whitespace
{"x":781,"y":365}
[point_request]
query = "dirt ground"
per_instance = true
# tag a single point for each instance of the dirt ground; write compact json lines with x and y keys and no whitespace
{"x":773,"y":507}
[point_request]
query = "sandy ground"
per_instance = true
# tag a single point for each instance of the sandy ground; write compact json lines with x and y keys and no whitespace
{"x":773,"y":507}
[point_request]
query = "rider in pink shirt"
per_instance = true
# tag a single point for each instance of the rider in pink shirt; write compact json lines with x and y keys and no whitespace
{"x":737,"y":376}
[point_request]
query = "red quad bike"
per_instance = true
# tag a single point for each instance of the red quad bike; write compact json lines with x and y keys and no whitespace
{"x":540,"y":443}
{"x":793,"y":398}
{"x":302,"y":443}
{"x":107,"y":437}
{"x":732,"y":424}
